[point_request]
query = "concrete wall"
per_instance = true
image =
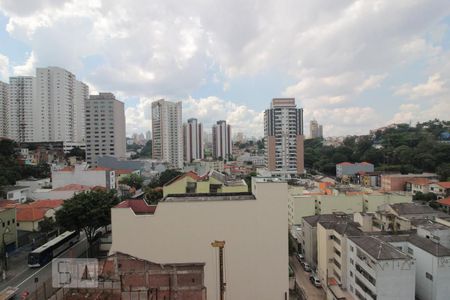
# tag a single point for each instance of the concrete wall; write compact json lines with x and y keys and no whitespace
{"x":84,"y":177}
{"x":255,"y":232}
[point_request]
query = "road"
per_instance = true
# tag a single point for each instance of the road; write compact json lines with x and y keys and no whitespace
{"x":25,"y":281}
{"x":302,"y":277}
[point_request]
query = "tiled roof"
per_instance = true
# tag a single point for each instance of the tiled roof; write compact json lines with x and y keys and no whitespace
{"x":72,"y":187}
{"x":123,"y":171}
{"x":419,"y":181}
{"x":191,"y":174}
{"x":7,"y":203}
{"x":47,"y":203}
{"x":30,"y":214}
{"x":345,"y":163}
{"x":444,"y":184}
{"x":445,"y":201}
{"x":139,"y":206}
{"x":314,"y":219}
{"x":99,"y":169}
{"x":412,"y":208}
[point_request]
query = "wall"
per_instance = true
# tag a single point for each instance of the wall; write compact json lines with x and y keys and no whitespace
{"x":255,"y":232}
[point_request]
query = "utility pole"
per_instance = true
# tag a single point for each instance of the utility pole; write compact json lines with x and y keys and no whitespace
{"x":220,"y":245}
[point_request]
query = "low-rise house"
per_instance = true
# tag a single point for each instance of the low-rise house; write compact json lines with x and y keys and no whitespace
{"x":16,"y":193}
{"x":212,"y":182}
{"x":29,"y":216}
{"x":64,"y":192}
{"x":397,"y":182}
{"x":441,"y":189}
{"x":83,"y":175}
{"x":350,"y":169}
{"x":8,"y":228}
{"x":445,"y":204}
{"x":34,"y":184}
{"x":411,"y":211}
{"x":416,"y":185}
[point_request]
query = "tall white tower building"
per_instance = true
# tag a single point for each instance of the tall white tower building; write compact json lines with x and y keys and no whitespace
{"x":4,"y":100}
{"x":221,"y":136}
{"x":283,"y":137}
{"x":193,"y":140}
{"x":316,"y":130}
{"x":62,"y":99}
{"x":24,"y":112}
{"x":167,"y":143}
{"x":105,"y":127}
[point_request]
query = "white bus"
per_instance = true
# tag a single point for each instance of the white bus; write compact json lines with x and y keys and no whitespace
{"x":45,"y":253}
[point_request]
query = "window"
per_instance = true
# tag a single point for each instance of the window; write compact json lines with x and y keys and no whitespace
{"x":337,"y":252}
{"x":351,"y":261}
{"x":429,"y":276}
{"x":410,"y":251}
{"x":351,"y":248}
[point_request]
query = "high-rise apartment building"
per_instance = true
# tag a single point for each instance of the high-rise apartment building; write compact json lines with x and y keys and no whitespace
{"x":62,"y":99}
{"x":167,"y":143}
{"x":48,"y":107}
{"x":283,"y":132}
{"x":221,"y":140}
{"x":315,"y":129}
{"x":105,"y":127}
{"x":4,"y":100}
{"x":23,"y":109}
{"x":193,"y":140}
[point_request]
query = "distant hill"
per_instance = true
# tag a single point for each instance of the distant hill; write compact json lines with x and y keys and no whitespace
{"x":400,"y":148}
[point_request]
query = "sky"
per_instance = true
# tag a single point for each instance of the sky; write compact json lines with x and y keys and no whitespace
{"x":352,"y":65}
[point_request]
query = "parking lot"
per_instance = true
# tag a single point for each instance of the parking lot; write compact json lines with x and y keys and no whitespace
{"x":302,"y":277}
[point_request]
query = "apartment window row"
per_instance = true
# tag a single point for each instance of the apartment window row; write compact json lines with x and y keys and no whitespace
{"x":337,"y":251}
{"x":365,"y":274}
{"x":365,"y":288}
{"x":336,"y":263}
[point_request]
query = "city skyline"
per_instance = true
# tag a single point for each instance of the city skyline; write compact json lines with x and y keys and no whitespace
{"x":345,"y":68}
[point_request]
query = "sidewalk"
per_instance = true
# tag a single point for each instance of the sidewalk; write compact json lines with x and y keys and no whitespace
{"x":17,"y":264}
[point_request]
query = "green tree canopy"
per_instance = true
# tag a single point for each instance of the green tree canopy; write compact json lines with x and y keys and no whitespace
{"x":87,"y":212}
{"x":132,"y":180}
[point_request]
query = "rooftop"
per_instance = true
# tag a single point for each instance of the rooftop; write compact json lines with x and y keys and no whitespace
{"x":378,"y":248}
{"x":209,"y":197}
{"x":445,"y":201}
{"x":444,"y":184}
{"x":419,"y":181}
{"x":425,"y":244}
{"x":30,"y":214}
{"x":123,"y":171}
{"x":347,"y":228}
{"x":336,"y":217}
{"x":10,"y":188}
{"x":72,"y":187}
{"x":413,"y":208}
{"x":138,"y":206}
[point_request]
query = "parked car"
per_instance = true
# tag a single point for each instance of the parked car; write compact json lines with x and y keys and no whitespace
{"x":315,"y":280}
{"x":306,"y":266}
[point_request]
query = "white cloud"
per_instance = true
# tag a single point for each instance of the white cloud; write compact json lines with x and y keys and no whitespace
{"x":434,"y":86}
{"x":4,"y":67}
{"x":27,"y":69}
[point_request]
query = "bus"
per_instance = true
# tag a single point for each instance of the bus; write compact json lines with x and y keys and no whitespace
{"x":45,"y":253}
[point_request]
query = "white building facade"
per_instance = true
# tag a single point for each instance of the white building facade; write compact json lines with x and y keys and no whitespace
{"x":193,"y":140}
{"x":221,"y":140}
{"x":4,"y":100}
{"x":167,"y":144}
{"x":284,"y":138}
{"x":82,"y":175}
{"x":23,"y":109}
{"x":105,"y":127}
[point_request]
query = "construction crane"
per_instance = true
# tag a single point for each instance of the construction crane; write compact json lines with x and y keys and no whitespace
{"x":222,"y":284}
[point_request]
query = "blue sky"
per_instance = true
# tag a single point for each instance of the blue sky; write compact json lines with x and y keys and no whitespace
{"x":352,"y":65}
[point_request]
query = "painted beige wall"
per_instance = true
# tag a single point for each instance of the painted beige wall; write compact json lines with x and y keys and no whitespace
{"x":255,"y":232}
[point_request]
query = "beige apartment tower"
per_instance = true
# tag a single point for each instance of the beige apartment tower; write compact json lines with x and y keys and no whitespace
{"x":4,"y":99}
{"x":284,"y":138}
{"x":193,"y":140}
{"x":105,"y":127}
{"x":167,"y":132}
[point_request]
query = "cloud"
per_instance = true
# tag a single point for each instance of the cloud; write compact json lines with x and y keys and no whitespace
{"x":4,"y":67}
{"x":434,"y":86}
{"x":27,"y":69}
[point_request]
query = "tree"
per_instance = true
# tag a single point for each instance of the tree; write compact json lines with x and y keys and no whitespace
{"x":47,"y":225}
{"x":164,"y":177}
{"x":87,"y":212}
{"x":147,"y":150}
{"x":77,"y":152}
{"x":443,"y":170}
{"x":153,"y":195}
{"x":132,"y":180}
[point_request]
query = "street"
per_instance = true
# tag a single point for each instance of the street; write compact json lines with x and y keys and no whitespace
{"x":302,"y":277}
{"x":26,"y":279}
